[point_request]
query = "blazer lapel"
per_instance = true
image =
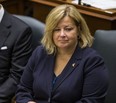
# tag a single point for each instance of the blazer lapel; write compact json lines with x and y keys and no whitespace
{"x":49,"y":72}
{"x":4,"y":28}
{"x":70,"y":67}
{"x":3,"y":35}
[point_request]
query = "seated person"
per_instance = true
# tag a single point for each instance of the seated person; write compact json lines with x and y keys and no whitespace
{"x":15,"y":50}
{"x":64,"y":69}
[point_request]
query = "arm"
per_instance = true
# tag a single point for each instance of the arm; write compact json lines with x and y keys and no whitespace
{"x":20,"y":54}
{"x":24,"y":93}
{"x":95,"y":81}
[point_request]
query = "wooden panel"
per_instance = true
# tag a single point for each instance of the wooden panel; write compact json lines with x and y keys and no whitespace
{"x":13,"y":6}
{"x":41,"y":13}
{"x":95,"y":18}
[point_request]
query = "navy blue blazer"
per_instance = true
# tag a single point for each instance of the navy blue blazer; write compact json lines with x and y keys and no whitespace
{"x":83,"y":80}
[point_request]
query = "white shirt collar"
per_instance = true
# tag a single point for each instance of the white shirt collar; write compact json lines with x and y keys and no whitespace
{"x":1,"y":12}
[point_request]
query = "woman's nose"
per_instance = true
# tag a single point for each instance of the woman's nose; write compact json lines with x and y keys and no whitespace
{"x":62,"y":33}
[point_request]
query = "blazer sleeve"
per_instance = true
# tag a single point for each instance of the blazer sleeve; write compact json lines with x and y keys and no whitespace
{"x":96,"y":81}
{"x":20,"y":55}
{"x":24,"y":91}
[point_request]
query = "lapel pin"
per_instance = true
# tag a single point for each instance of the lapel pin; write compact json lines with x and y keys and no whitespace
{"x":73,"y":65}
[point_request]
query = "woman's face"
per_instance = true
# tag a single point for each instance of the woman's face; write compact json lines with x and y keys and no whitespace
{"x":65,"y":34}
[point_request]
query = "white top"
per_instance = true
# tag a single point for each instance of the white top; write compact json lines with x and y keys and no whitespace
{"x":1,"y":12}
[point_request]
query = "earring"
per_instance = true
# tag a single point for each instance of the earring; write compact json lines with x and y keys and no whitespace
{"x":78,"y":37}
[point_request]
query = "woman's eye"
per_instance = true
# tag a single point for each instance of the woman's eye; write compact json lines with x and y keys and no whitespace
{"x":65,"y":29}
{"x":56,"y":29}
{"x":68,"y":29}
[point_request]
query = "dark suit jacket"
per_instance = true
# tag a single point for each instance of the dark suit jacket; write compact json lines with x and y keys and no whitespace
{"x":15,"y":49}
{"x":83,"y":80}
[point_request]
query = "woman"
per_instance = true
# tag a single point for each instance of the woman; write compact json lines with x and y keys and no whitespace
{"x":64,"y":69}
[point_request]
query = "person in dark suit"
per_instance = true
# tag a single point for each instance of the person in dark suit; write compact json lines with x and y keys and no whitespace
{"x":64,"y":69}
{"x":15,"y":49}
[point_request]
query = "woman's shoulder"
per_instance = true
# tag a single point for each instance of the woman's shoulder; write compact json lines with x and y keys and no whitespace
{"x":39,"y":51}
{"x":90,"y":52}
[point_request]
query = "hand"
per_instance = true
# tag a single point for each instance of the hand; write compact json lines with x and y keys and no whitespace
{"x":31,"y":102}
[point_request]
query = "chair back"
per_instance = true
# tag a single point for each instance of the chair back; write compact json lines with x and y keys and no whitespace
{"x":37,"y":28}
{"x":105,"y":44}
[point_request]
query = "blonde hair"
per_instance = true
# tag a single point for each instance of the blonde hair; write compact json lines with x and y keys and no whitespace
{"x":52,"y":20}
